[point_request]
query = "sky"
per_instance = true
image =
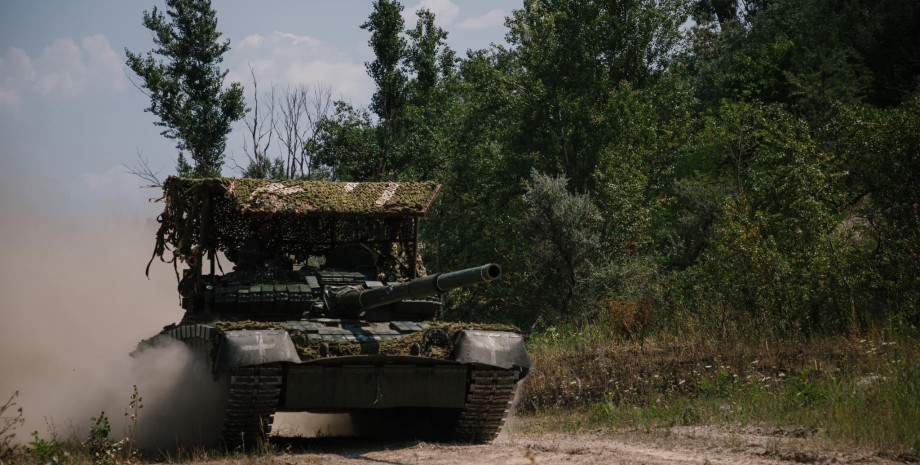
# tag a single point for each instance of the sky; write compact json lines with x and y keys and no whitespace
{"x":71,"y":118}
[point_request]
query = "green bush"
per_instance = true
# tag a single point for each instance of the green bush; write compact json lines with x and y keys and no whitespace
{"x":101,"y":447}
{"x":49,"y":452}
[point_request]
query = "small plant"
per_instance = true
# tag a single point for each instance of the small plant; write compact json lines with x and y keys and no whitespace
{"x":131,"y":416}
{"x":806,"y":390}
{"x":48,"y":451}
{"x":8,"y":425}
{"x":102,"y":449}
{"x":716,"y":386}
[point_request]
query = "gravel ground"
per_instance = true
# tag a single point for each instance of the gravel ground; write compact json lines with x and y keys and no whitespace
{"x":523,"y":445}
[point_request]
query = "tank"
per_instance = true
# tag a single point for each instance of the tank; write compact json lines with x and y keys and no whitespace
{"x":327,"y":308}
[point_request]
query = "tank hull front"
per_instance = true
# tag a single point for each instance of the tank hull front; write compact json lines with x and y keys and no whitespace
{"x":341,"y":388}
{"x":464,"y":388}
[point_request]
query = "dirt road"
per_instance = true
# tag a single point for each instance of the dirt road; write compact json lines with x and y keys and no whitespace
{"x":685,"y":445}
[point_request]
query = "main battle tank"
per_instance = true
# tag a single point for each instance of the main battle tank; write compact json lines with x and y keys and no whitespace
{"x":326,"y":309}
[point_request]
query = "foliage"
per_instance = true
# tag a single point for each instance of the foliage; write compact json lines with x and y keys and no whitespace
{"x":263,"y":167}
{"x":431,"y":113}
{"x":132,"y":417}
{"x":102,"y":449}
{"x":183,"y":79}
{"x":775,"y":209}
{"x":573,"y":55}
{"x":9,"y":423}
{"x":753,"y":171}
{"x":386,"y":26}
{"x":428,"y":56}
{"x":857,"y":390}
{"x":346,"y":138}
{"x":810,"y":55}
{"x":565,"y":244}
{"x":49,"y":451}
{"x":881,"y":235}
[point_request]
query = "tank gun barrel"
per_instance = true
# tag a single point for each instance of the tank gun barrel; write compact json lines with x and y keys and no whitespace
{"x":353,"y":302}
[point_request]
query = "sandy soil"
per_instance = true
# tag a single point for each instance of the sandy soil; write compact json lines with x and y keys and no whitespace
{"x":690,"y":445}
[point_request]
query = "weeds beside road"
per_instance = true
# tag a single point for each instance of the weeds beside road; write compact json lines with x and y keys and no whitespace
{"x":855,"y":390}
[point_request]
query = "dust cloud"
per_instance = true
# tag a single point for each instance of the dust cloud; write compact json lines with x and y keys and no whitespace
{"x":74,"y":303}
{"x":312,"y":425}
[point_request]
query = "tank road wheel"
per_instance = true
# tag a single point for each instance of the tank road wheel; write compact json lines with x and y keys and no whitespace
{"x":251,"y":404}
{"x":488,"y":402}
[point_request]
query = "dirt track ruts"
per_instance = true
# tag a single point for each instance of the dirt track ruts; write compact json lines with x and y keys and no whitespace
{"x":680,"y":445}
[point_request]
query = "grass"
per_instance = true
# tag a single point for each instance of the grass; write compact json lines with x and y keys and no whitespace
{"x":59,"y":451}
{"x":859,"y":391}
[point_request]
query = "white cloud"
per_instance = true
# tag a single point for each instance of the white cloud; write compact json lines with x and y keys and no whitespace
{"x":59,"y":69}
{"x":494,"y":18}
{"x":445,"y":12}
{"x":16,"y":73}
{"x":299,"y":40}
{"x":64,"y":69}
{"x":104,"y":63}
{"x":347,"y":79}
{"x":283,"y":58}
{"x":278,"y":39}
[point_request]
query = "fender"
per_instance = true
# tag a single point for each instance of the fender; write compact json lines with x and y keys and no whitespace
{"x":500,"y":349}
{"x":254,"y":347}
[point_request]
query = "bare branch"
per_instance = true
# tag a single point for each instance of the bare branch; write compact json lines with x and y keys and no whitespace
{"x":320,"y":105}
{"x":288,"y":130}
{"x":260,"y":131}
{"x":136,"y":85}
{"x":142,"y":170}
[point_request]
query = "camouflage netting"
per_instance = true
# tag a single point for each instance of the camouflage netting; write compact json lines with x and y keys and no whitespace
{"x":324,"y":198}
{"x":309,"y":349}
{"x":297,"y":218}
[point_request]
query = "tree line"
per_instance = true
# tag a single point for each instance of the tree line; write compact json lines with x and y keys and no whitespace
{"x":720,"y":167}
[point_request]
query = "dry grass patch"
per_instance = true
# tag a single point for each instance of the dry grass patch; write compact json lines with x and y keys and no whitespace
{"x":863,"y":391}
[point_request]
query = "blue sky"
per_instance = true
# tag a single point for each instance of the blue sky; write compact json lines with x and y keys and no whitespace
{"x":70,"y":117}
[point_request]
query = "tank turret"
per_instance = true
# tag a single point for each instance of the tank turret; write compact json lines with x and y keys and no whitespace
{"x":348,"y":301}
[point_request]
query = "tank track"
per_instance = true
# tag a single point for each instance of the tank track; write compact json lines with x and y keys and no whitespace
{"x":488,"y":403}
{"x":251,"y":404}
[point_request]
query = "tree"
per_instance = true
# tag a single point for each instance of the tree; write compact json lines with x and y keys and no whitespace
{"x":386,"y":24}
{"x":344,"y":140}
{"x":810,"y":55}
{"x":882,"y":152}
{"x":183,"y":79}
{"x":292,"y":123}
{"x":767,"y":198}
{"x":574,"y":53}
{"x":260,"y":134}
{"x":429,"y":117}
{"x":565,"y":246}
{"x":427,"y":55}
{"x":298,"y":128}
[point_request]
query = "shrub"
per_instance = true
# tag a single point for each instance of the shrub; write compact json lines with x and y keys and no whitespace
{"x":8,"y":425}
{"x":102,"y":449}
